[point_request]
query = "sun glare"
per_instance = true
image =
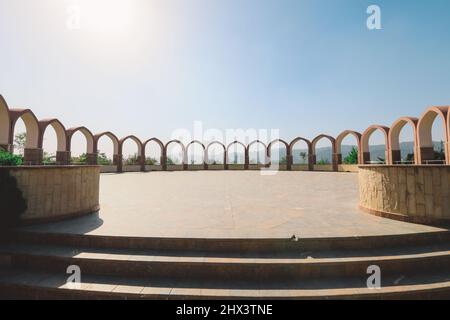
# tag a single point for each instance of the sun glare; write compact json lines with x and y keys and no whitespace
{"x":106,"y":15}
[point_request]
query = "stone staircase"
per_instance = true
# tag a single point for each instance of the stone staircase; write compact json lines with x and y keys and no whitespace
{"x":413,"y":266}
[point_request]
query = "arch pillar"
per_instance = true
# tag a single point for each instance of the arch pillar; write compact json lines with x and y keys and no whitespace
{"x":289,"y":159}
{"x":312,"y":159}
{"x":91,"y":158}
{"x":395,"y":157}
{"x":33,"y":156}
{"x":225,"y":160}
{"x":247,"y":159}
{"x":63,"y":157}
{"x":335,"y":158}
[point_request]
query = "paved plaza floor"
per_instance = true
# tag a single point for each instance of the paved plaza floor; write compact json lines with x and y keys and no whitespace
{"x":231,"y":204}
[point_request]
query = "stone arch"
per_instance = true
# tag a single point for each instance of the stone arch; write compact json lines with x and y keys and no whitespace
{"x":186,"y":156}
{"x":424,"y":133}
{"x":62,"y":157}
{"x":338,"y":144}
{"x":394,"y":138}
{"x":245,"y":152}
{"x":115,"y":141}
{"x":255,"y":142}
{"x":161,"y":146}
{"x":183,"y":150}
{"x":32,"y":153}
{"x":139,"y":145}
{"x":308,"y":144}
{"x":5,"y":123}
{"x":365,"y":150}
{"x":333,"y":149}
{"x":224,"y":152}
{"x":286,"y":145}
{"x":91,"y":157}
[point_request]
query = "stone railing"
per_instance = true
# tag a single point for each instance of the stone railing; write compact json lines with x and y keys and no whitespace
{"x":53,"y":193}
{"x":409,"y":193}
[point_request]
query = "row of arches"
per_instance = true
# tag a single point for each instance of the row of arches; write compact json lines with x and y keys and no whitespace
{"x":423,"y":149}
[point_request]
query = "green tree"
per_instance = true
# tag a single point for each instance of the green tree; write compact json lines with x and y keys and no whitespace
{"x":102,"y":159}
{"x":352,"y":157}
{"x":303,"y":156}
{"x":323,"y":161}
{"x":20,"y":139}
{"x":169,"y":161}
{"x":440,"y":153}
{"x":151,"y":161}
{"x":48,"y":158}
{"x":9,"y":159}
{"x":81,"y":159}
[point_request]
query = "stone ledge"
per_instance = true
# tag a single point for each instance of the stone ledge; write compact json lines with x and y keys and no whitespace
{"x":419,"y":194}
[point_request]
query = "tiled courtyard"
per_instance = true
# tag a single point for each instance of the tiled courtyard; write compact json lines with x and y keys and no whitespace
{"x":225,"y":204}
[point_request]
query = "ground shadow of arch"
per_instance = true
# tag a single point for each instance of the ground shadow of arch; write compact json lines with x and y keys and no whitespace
{"x":12,"y":202}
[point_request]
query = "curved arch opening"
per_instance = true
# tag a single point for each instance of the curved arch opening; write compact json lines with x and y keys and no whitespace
{"x":19,"y":135}
{"x":403,"y":143}
{"x":215,"y":154}
{"x":433,"y":138}
{"x":175,"y":153}
{"x":107,"y":148}
{"x":323,"y":151}
{"x":257,"y":153}
{"x":49,"y":146}
{"x":376,"y":148}
{"x":300,"y":151}
{"x":277,"y":151}
{"x":195,"y":153}
{"x":348,"y":150}
{"x":153,"y":154}
{"x":236,"y":154}
{"x":79,"y":148}
{"x":131,"y":151}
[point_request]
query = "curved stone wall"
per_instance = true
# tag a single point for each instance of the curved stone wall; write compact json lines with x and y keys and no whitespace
{"x":422,"y":138}
{"x":408,"y":193}
{"x":55,"y":193}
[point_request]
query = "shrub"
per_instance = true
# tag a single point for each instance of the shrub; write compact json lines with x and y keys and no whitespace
{"x":11,"y":201}
{"x":352,"y":157}
{"x":9,"y":159}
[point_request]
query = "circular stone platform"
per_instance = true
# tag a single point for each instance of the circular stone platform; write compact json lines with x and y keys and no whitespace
{"x":225,"y":204}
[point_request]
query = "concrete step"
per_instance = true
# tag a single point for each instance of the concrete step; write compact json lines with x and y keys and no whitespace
{"x":26,"y":284}
{"x":270,"y":246}
{"x":308,"y":265}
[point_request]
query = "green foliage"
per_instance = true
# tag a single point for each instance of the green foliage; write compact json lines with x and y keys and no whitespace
{"x":20,"y":140}
{"x":9,"y":159}
{"x":352,"y":157}
{"x":103,"y":160}
{"x":82,"y":159}
{"x":151,"y":161}
{"x":12,"y":202}
{"x":440,"y":154}
{"x":48,"y":158}
{"x":303,"y":155}
{"x":323,"y":162}
{"x":131,"y":160}
{"x":169,"y":161}
{"x":283,"y":160}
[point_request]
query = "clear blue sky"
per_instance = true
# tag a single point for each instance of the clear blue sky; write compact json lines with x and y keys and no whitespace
{"x":304,"y":67}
